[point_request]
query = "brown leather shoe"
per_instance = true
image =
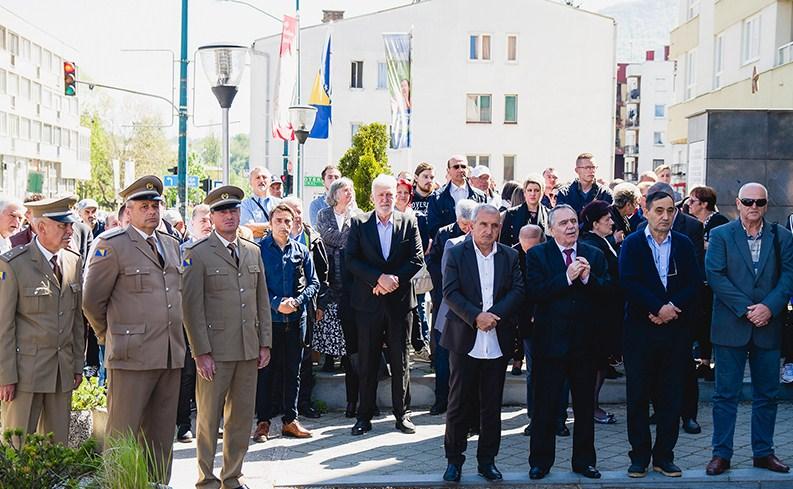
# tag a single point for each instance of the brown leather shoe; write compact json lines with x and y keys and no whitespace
{"x":262,"y":432}
{"x":771,"y":463}
{"x":717,"y":466}
{"x":295,"y":430}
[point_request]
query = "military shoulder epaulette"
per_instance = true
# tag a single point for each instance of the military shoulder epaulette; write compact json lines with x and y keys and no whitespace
{"x":160,"y":233}
{"x":112,"y":233}
{"x":72,"y":251}
{"x":13,"y":253}
{"x":249,"y":241}
{"x":193,"y":244}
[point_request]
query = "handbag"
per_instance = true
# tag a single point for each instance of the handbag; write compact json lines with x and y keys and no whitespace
{"x":422,"y":282}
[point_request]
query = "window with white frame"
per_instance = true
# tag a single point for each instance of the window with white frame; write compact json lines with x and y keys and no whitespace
{"x":356,"y":74}
{"x":382,"y":76}
{"x":13,"y":126}
{"x":46,"y":134}
{"x":13,"y":84}
{"x":24,"y":128}
{"x":36,"y":54}
{"x":3,"y":86}
{"x":510,"y":109}
{"x":479,"y":47}
{"x":13,"y":41}
{"x":658,"y":138}
{"x":25,"y":51}
{"x":2,"y":37}
{"x":512,"y":48}
{"x":476,"y":160}
{"x":354,"y":127}
{"x":47,"y":60}
{"x":479,"y":108}
{"x":692,"y":9}
{"x":509,"y":167}
{"x":691,"y":73}
{"x":35,"y":131}
{"x":718,"y":60}
{"x":750,"y":40}
{"x":3,"y":124}
{"x":660,"y":111}
{"x":24,"y":88}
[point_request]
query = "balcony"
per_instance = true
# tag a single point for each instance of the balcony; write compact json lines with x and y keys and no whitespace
{"x":632,"y":122}
{"x":632,"y":150}
{"x":785,"y":54}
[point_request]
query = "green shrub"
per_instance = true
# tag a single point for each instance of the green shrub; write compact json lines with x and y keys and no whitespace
{"x":89,"y":396}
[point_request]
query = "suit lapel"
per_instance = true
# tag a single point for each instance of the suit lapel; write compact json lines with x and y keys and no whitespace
{"x":221,"y":250}
{"x":739,"y":235}
{"x":67,"y":270}
{"x":650,"y":258}
{"x":142,"y":245}
{"x":499,"y":269}
{"x":44,"y":267}
{"x":555,"y":256}
{"x":396,"y":227}
{"x":474,"y":270}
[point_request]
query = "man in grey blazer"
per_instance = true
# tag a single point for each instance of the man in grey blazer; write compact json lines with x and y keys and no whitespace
{"x":749,"y":266}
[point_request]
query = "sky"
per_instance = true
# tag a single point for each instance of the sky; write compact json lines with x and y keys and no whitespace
{"x":103,"y":32}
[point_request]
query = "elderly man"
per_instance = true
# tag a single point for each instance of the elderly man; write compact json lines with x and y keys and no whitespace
{"x":41,"y":351}
{"x":27,"y":233}
{"x":564,"y":279}
{"x":227,"y":318}
{"x":483,"y":287}
{"x":329,"y":175}
{"x":87,"y":208}
{"x":661,"y":279}
{"x":383,"y":254}
{"x":584,"y":189}
{"x":440,"y":208}
{"x":11,"y":214}
{"x":749,"y":266}
{"x":255,"y":210}
{"x":133,"y":301}
{"x":482,"y":180}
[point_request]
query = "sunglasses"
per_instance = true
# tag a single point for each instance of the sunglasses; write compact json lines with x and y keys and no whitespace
{"x":751,"y":202}
{"x":458,"y":167}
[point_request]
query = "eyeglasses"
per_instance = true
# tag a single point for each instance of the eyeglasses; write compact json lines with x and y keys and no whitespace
{"x":751,"y":202}
{"x":459,"y":166}
{"x":590,"y":167}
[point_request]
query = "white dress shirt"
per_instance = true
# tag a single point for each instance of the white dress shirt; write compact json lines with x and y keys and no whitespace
{"x":47,"y":253}
{"x":458,"y":193}
{"x":486,"y":346}
{"x":5,"y":245}
{"x":227,"y":243}
{"x":573,"y":256}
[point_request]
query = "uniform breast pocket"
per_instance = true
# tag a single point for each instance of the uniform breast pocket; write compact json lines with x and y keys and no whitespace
{"x":253,"y":275}
{"x":35,"y":299}
{"x":137,"y":278}
{"x":76,"y":288}
{"x":217,"y":278}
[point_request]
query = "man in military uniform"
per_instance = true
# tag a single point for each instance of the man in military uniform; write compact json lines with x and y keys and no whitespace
{"x":227,"y":317}
{"x":41,"y":326}
{"x":133,"y":302}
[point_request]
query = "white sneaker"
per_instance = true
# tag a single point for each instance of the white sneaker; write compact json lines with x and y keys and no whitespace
{"x":787,"y":373}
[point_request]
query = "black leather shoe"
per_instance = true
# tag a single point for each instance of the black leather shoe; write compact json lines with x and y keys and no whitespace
{"x":472,"y":432}
{"x":691,"y":427}
{"x":537,"y":473}
{"x":668,"y":469}
{"x":351,"y":410}
{"x":453,"y":473}
{"x":527,"y":430}
{"x":489,"y":472}
{"x":361,"y":427}
{"x":437,"y":408}
{"x":405,"y":425}
{"x":563,"y":431}
{"x":309,"y":412}
{"x":636,"y":471}
{"x":590,"y":472}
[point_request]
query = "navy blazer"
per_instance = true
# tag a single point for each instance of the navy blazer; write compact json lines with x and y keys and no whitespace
{"x":693,"y":230}
{"x":462,"y":292}
{"x":364,"y":260}
{"x":645,"y":294}
{"x":435,"y":256}
{"x":440,"y":207}
{"x":565,"y":315}
{"x":728,"y":264}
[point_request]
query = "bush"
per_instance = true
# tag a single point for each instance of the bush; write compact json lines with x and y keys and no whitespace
{"x":35,"y":461}
{"x":89,"y":396}
{"x":366,"y":159}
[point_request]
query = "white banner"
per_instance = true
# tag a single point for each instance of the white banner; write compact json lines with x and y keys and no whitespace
{"x":286,"y":81}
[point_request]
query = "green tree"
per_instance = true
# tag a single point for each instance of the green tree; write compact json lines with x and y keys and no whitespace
{"x":208,"y":150}
{"x":149,"y":148}
{"x":100,"y":185}
{"x":366,"y":159}
{"x":195,"y":167}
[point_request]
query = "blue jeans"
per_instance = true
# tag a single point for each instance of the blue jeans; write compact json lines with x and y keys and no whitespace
{"x":441,"y":362}
{"x":730,"y":365}
{"x":102,"y":371}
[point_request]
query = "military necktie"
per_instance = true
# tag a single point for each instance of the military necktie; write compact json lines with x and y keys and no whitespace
{"x":153,"y":245}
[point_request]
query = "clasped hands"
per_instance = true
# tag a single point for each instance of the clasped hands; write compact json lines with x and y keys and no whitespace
{"x":668,"y":312}
{"x":578,"y":269}
{"x":386,"y":284}
{"x":288,"y":305}
{"x":486,"y":321}
{"x":758,"y":314}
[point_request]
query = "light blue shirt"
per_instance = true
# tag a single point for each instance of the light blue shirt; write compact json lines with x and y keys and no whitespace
{"x":251,"y":210}
{"x":385,"y":231}
{"x":315,"y":206}
{"x":661,"y":254}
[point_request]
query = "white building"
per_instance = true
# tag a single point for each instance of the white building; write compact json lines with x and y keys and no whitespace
{"x":43,"y":148}
{"x":542,"y":73}
{"x":649,"y":93}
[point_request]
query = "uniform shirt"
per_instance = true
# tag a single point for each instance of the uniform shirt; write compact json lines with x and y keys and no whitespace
{"x":47,"y":253}
{"x":661,"y":254}
{"x":226,"y":244}
{"x":385,"y":231}
{"x":281,"y":266}
{"x":315,"y":206}
{"x":486,"y":345}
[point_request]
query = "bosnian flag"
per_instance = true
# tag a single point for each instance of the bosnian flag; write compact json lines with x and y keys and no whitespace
{"x":320,"y":96}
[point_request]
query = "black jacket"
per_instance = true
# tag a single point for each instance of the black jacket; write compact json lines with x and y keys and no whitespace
{"x":517,"y":217}
{"x":434,"y":257}
{"x":571,"y":195}
{"x":440,"y":208}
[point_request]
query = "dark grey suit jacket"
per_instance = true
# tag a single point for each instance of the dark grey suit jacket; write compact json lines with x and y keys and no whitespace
{"x":730,"y":273}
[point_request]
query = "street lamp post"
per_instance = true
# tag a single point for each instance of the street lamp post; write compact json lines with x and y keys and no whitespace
{"x":223,"y":65}
{"x":302,"y":119}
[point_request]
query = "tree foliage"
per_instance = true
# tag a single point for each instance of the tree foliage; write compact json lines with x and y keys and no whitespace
{"x":366,"y":159}
{"x":149,"y":148}
{"x":100,"y":185}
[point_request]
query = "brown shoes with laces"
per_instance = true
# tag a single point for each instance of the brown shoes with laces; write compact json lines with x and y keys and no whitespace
{"x":295,"y":430}
{"x":262,"y":432}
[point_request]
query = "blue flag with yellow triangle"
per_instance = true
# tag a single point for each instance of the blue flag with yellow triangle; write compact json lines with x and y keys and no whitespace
{"x":320,"y":96}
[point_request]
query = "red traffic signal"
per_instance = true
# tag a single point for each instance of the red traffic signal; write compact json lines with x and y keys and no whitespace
{"x":69,"y":78}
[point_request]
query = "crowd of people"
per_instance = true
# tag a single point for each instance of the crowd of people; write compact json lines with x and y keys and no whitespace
{"x":227,"y":313}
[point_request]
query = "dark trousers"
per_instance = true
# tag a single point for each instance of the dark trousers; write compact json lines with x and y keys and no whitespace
{"x":548,"y":376}
{"x":91,"y":347}
{"x":690,"y":403}
{"x":306,"y":380}
{"x":440,"y":359}
{"x":278,"y":383}
{"x":654,"y":368}
{"x":374,"y":327}
{"x":186,"y":391}
{"x":472,"y":378}
{"x":702,"y":328}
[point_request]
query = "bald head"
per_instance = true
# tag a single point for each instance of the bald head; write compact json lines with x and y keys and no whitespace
{"x":530,"y":235}
{"x":753,"y":190}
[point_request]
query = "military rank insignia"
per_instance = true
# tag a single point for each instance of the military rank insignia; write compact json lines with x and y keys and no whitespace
{"x":187,"y":262}
{"x":102,"y":252}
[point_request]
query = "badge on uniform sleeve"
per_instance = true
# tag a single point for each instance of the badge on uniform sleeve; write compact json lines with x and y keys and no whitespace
{"x":187,"y":262}
{"x":3,"y":275}
{"x":102,"y":252}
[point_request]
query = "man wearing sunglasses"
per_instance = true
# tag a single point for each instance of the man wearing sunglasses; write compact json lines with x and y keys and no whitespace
{"x":749,"y":266}
{"x":440,"y":209}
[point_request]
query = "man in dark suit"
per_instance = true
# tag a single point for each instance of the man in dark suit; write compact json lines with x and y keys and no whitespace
{"x":383,"y":254}
{"x":563,"y":280}
{"x":440,"y":208}
{"x":660,"y":276}
{"x":483,"y":287}
{"x":750,"y":269}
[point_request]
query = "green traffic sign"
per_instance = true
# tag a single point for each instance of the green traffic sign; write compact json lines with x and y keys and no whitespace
{"x":312,"y":181}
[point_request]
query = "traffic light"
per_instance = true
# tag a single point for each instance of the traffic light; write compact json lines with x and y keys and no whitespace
{"x":69,"y":78}
{"x":174,"y":170}
{"x":206,"y":185}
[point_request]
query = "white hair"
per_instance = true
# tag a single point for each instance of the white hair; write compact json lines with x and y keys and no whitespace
{"x":486,"y":208}
{"x":9,"y":201}
{"x":465,"y":209}
{"x":292,"y":201}
{"x":384,"y":180}
{"x":560,"y":207}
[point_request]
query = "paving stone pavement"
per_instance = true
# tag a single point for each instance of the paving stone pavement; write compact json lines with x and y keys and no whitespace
{"x":385,"y":454}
